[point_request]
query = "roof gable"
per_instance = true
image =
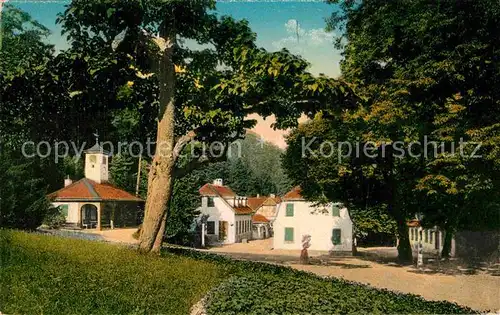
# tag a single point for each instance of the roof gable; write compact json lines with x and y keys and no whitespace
{"x":294,"y":194}
{"x":259,"y":218}
{"x":216,"y":191}
{"x":256,"y":202}
{"x":88,"y":190}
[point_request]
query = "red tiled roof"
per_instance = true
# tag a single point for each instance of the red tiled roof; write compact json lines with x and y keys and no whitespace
{"x":273,"y":200}
{"x":259,"y":218}
{"x":413,"y":223}
{"x":88,"y":190}
{"x":215,"y":191}
{"x":243,"y":210}
{"x":256,"y":202}
{"x":294,"y":194}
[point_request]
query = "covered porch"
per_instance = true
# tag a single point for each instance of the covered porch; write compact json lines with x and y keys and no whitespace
{"x":109,"y":215}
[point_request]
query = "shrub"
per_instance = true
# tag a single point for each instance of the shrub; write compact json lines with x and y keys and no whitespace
{"x":54,"y":218}
{"x":290,"y":291}
{"x":23,"y":203}
{"x":305,"y":294}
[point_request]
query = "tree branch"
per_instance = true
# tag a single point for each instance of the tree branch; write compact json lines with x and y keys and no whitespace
{"x":182,"y":142}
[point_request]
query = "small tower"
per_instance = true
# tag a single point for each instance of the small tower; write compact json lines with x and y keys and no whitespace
{"x":96,"y":163}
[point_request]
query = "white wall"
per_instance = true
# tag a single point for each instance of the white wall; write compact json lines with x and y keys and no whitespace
{"x":220,"y":212}
{"x":98,"y":170}
{"x":307,"y":221}
{"x":246,"y":231}
{"x":73,"y":208}
{"x":429,"y":246}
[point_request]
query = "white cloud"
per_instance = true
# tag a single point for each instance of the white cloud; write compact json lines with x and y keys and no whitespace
{"x":299,"y":38}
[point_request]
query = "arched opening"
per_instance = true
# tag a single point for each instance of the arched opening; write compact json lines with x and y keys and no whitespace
{"x":89,"y":216}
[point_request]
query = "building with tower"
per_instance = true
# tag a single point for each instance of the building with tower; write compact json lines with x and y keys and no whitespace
{"x":92,"y":202}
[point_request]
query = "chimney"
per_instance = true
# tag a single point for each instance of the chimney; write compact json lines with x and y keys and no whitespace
{"x":258,"y":195}
{"x":273,"y":196}
{"x":67,"y":181}
{"x":218,"y":182}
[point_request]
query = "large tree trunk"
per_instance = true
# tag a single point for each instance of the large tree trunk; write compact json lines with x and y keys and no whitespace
{"x":161,"y":173}
{"x":448,"y":236}
{"x":404,"y":248}
{"x":161,"y":234}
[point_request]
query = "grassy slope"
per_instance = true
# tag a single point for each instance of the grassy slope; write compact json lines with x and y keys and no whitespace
{"x":53,"y":275}
{"x":42,"y":274}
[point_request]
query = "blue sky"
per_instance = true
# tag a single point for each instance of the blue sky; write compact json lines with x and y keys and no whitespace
{"x":274,"y":22}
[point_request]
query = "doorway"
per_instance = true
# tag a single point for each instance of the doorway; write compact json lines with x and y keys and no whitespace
{"x":223,"y":229}
{"x":89,"y":216}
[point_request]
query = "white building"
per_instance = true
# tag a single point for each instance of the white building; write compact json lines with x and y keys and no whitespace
{"x":432,"y":239}
{"x":264,"y":214}
{"x":92,"y":202}
{"x":330,"y":227}
{"x":229,"y":216}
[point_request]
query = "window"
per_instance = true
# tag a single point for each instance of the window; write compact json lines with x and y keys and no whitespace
{"x":412,"y":234}
{"x":210,"y":202}
{"x":336,"y":210}
{"x":210,"y":227}
{"x":336,"y":236}
{"x":431,"y":236}
{"x":64,"y":210}
{"x":426,"y":236}
{"x":289,"y":209}
{"x":289,"y":234}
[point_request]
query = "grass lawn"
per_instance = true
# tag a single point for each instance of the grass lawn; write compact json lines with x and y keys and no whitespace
{"x":54,"y":275}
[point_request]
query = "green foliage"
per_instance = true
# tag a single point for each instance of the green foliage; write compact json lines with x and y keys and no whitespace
{"x":59,"y":276}
{"x":372,"y":220}
{"x":53,"y":275}
{"x":423,"y":70}
{"x":23,"y":204}
{"x":54,"y":218}
{"x":182,"y":211}
{"x":123,"y":171}
{"x":297,"y":292}
{"x":22,"y":42}
{"x":301,"y":294}
{"x":263,"y":161}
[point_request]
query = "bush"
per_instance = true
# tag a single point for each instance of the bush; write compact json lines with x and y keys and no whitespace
{"x":23,"y":204}
{"x":290,"y":291}
{"x":306,"y":294}
{"x":54,"y":218}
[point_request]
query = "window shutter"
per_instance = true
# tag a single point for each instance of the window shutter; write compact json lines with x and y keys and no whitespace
{"x":289,"y":209}
{"x":336,"y":237}
{"x":288,"y":234}
{"x":64,"y":210}
{"x":336,"y":210}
